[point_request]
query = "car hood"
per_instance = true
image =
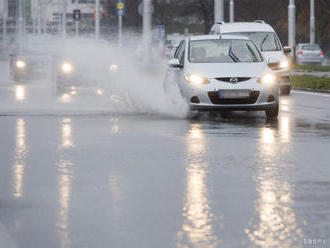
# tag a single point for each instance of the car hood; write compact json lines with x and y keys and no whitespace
{"x":208,"y":70}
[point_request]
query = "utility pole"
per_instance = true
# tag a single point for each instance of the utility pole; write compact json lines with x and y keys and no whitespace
{"x":97,"y":19}
{"x":312,"y":22}
{"x":20,"y":25}
{"x":64,"y":7}
{"x":120,"y":31}
{"x":231,"y":11}
{"x":4,"y":23}
{"x":147,"y":38}
{"x":292,"y":25}
{"x":76,"y":21}
{"x":218,"y":11}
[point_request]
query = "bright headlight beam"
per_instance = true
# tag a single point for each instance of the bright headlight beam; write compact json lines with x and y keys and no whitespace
{"x":268,"y":79}
{"x":67,"y":67}
{"x":113,"y":68}
{"x":20,"y":64}
{"x":196,"y":79}
{"x":284,"y":64}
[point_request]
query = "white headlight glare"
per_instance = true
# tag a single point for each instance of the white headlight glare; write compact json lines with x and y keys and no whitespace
{"x":20,"y":64}
{"x":67,"y":67}
{"x":113,"y":68}
{"x":196,"y":79}
{"x":284,"y":64}
{"x":268,"y":79}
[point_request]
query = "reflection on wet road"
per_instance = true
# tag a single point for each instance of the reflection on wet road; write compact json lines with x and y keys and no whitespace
{"x":113,"y":180}
{"x":197,"y":212}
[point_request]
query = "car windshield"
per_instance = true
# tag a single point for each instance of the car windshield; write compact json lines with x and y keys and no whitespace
{"x":311,"y":47}
{"x":266,"y":41}
{"x":224,"y":51}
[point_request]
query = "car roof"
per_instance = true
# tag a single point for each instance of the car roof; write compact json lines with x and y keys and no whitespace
{"x":217,"y":37}
{"x":245,"y":27}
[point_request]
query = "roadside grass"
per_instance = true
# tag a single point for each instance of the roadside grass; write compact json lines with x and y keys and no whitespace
{"x":311,"y":67}
{"x":311,"y":82}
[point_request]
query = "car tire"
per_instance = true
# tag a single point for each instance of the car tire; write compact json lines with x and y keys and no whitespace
{"x":285,"y":91}
{"x":272,"y":113}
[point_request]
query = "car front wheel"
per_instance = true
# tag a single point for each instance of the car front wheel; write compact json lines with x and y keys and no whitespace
{"x":272,"y":113}
{"x":285,"y":91}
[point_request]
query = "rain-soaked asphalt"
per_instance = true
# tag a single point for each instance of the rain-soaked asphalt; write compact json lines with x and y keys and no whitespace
{"x":95,"y":179}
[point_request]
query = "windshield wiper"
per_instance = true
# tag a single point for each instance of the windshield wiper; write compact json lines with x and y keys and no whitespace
{"x":232,"y":55}
{"x":255,"y":59}
{"x":263,"y":41}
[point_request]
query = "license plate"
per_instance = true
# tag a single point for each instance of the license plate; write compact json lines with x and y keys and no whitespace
{"x":234,"y":94}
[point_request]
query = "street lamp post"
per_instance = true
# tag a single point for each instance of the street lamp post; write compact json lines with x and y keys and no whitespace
{"x":312,"y":22}
{"x":292,"y":24}
{"x":4,"y":23}
{"x":147,"y":18}
{"x":64,"y":8}
{"x":97,"y":19}
{"x":231,"y":11}
{"x":218,"y":11}
{"x":20,"y":25}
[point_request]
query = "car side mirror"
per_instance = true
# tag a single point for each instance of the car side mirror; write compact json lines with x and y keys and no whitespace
{"x":287,"y":49}
{"x":175,"y":63}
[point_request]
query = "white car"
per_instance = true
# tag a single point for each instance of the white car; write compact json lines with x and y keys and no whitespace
{"x":226,"y":72}
{"x":309,"y":54}
{"x":265,"y":37}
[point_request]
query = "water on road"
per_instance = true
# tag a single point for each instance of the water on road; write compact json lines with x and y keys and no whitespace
{"x":81,"y":173}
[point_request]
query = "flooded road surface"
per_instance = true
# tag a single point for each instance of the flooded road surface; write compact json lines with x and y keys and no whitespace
{"x":98,"y":179}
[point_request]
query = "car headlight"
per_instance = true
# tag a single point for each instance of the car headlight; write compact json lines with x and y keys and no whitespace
{"x":99,"y":92}
{"x":114,"y":68}
{"x":20,"y":64}
{"x":196,"y":79}
{"x":284,"y":64}
{"x":268,"y":79}
{"x":67,"y":68}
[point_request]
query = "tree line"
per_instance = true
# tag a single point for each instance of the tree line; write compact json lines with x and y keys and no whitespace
{"x":198,"y":16}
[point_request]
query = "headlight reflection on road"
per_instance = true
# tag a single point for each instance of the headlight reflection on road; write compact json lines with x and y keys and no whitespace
{"x":197,"y":212}
{"x":66,"y":98}
{"x":65,"y":172}
{"x":20,"y":92}
{"x":275,"y":223}
{"x":285,"y":105}
{"x":21,"y":151}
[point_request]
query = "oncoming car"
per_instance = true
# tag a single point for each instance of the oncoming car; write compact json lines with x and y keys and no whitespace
{"x":31,"y":62}
{"x":213,"y":72}
{"x":265,"y":37}
{"x":85,"y":68}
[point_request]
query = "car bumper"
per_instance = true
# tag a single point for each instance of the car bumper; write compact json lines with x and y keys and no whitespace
{"x":261,"y":97}
{"x":309,"y":60}
{"x":234,"y":107}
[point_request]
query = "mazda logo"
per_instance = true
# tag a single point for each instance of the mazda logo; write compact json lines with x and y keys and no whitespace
{"x":233,"y":80}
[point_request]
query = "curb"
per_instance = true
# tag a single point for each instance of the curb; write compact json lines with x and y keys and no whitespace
{"x":312,"y":90}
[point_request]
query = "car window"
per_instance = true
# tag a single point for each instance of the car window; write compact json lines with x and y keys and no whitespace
{"x":224,"y":51}
{"x":179,"y":54}
{"x":311,"y":47}
{"x":266,"y":41}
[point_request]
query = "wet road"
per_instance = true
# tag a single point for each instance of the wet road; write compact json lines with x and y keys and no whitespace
{"x":96,"y":178}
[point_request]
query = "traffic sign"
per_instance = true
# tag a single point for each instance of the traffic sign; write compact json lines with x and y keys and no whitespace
{"x":120,"y":8}
{"x":76,"y":15}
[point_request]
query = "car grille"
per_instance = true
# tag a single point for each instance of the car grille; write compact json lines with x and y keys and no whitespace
{"x":228,"y":79}
{"x":214,"y":97}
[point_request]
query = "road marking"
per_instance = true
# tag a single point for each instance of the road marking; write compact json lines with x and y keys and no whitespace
{"x":310,"y":93}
